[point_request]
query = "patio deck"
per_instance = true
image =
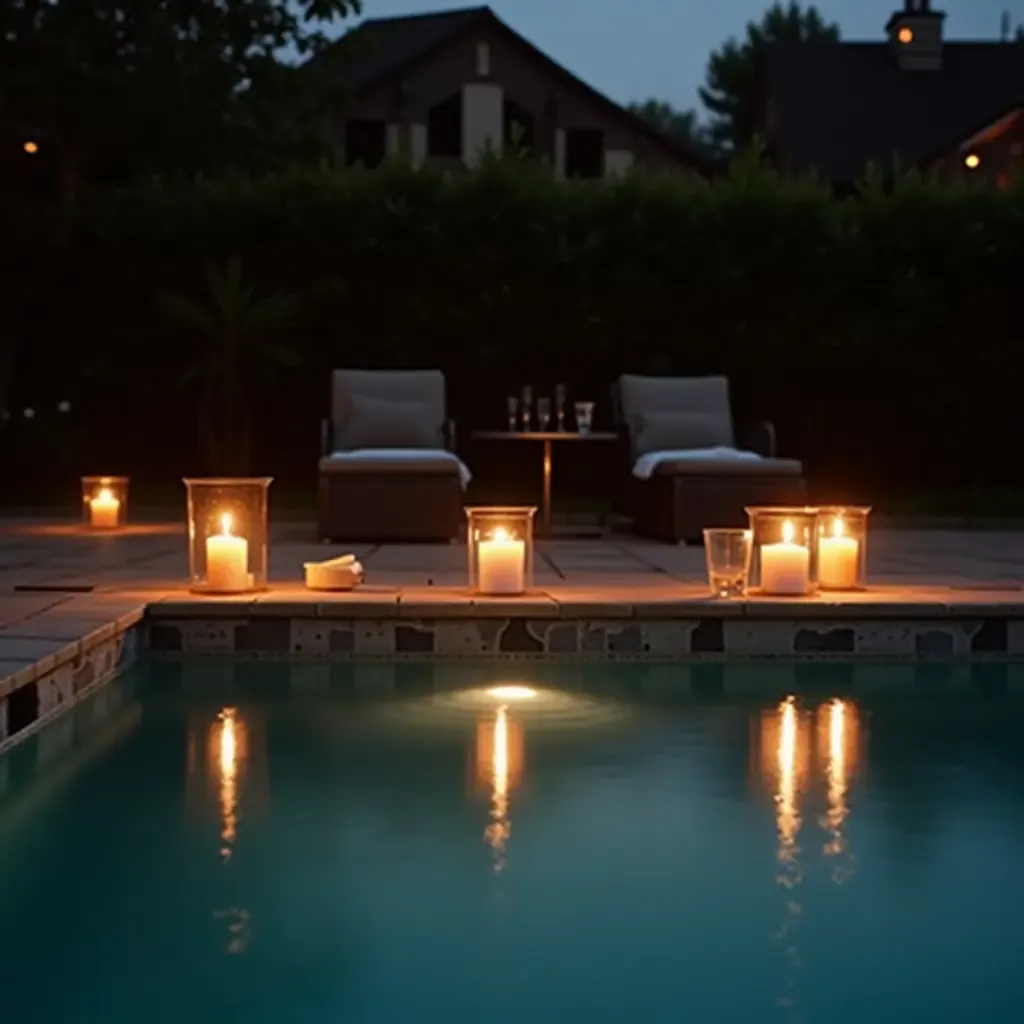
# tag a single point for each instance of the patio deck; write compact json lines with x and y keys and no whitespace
{"x":76,"y":606}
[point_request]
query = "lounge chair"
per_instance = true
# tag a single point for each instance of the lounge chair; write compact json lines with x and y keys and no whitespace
{"x":388,"y":471}
{"x":688,"y":468}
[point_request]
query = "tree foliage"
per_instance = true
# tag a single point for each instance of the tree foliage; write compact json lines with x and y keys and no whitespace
{"x":730,"y":91}
{"x":235,"y":342}
{"x":114,"y":88}
{"x":682,"y":126}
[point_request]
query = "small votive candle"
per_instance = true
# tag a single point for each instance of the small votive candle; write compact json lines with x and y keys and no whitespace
{"x":842,"y":534}
{"x":104,"y":502}
{"x":500,"y":550}
{"x":837,"y":559}
{"x":104,"y":510}
{"x":785,"y":566}
{"x":227,"y":560}
{"x":502,"y":564}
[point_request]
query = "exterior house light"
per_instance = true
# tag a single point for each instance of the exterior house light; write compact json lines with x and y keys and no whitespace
{"x":905,"y":35}
{"x":31,"y":147}
{"x":972,"y":161}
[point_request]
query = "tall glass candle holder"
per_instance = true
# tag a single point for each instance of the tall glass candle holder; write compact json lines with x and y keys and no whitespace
{"x":784,"y":551}
{"x":842,"y":539}
{"x":104,"y":502}
{"x":227,"y":534}
{"x":500,"y":549}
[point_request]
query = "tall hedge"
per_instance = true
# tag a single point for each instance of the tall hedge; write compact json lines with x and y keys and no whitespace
{"x":881,"y":334}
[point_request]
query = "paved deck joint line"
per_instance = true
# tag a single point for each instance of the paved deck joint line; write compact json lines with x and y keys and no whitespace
{"x":42,"y":588}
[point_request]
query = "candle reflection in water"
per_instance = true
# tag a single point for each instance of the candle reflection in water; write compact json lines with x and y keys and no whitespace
{"x":221,"y":766}
{"x":228,"y":749}
{"x":839,"y":735}
{"x":785,"y":753}
{"x":499,"y":767}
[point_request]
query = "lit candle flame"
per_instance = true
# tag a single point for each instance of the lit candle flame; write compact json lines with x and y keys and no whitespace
{"x":838,"y":528}
{"x":500,"y":534}
{"x":225,"y":524}
{"x":788,"y":533}
{"x":105,"y":494}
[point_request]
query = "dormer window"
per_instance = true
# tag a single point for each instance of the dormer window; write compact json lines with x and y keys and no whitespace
{"x":915,"y":35}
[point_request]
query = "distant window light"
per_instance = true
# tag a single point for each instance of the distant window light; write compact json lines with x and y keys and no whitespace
{"x":31,"y":147}
{"x":29,"y":414}
{"x":483,"y":59}
{"x":64,"y":406}
{"x":906,"y":35}
{"x":972,"y":161}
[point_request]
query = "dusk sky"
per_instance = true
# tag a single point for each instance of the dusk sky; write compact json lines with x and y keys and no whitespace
{"x":635,"y":49}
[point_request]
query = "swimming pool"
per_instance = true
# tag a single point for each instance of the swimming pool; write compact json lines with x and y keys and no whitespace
{"x":274,"y":843}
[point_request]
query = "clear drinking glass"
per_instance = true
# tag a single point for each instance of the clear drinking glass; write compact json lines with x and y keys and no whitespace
{"x":560,"y":406}
{"x":512,"y":404}
{"x":728,"y":558}
{"x":543,"y":413}
{"x":527,"y":402}
{"x":584,"y":416}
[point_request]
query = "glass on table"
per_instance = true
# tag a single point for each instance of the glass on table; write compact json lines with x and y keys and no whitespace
{"x":526,"y":401}
{"x":543,"y":413}
{"x":584,"y":416}
{"x":728,"y":559}
{"x":560,"y":406}
{"x":512,"y":404}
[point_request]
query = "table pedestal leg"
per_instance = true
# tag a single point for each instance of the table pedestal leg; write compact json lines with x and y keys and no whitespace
{"x":546,"y":511}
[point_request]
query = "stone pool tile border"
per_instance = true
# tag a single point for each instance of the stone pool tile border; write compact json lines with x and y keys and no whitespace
{"x":35,"y":692}
{"x":492,"y":636}
{"x":437,"y":603}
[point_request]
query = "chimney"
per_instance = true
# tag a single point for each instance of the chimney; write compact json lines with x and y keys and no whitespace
{"x":915,"y":35}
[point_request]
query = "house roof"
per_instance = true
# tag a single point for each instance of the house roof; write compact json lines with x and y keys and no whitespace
{"x":837,"y":107}
{"x":381,"y":49}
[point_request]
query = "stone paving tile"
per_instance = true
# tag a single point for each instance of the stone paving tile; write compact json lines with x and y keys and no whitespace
{"x":15,"y":608}
{"x":976,"y":569}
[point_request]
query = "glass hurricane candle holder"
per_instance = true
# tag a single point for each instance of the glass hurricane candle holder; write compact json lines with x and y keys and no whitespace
{"x":104,"y":502}
{"x":227,"y":534}
{"x":500,"y":549}
{"x":842,"y":537}
{"x":783,"y":551}
{"x":728,"y":557}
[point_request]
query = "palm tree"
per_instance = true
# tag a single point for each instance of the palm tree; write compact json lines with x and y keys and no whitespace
{"x":233,"y":336}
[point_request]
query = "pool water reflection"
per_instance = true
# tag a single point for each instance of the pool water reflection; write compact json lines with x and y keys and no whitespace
{"x":511,"y":850}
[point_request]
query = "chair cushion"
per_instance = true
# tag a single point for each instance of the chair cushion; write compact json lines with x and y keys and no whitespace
{"x":730,"y":467}
{"x":397,"y":461}
{"x":640,"y":395}
{"x":382,"y":423}
{"x":419,"y":386}
{"x":675,"y":431}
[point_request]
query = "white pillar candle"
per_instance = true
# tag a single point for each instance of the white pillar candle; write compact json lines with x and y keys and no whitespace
{"x":227,"y":560}
{"x":501,"y":564}
{"x":786,"y":566}
{"x":104,"y":510}
{"x":838,"y":557}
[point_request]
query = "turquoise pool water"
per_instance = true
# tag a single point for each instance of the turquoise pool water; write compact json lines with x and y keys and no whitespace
{"x":265,"y":843}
